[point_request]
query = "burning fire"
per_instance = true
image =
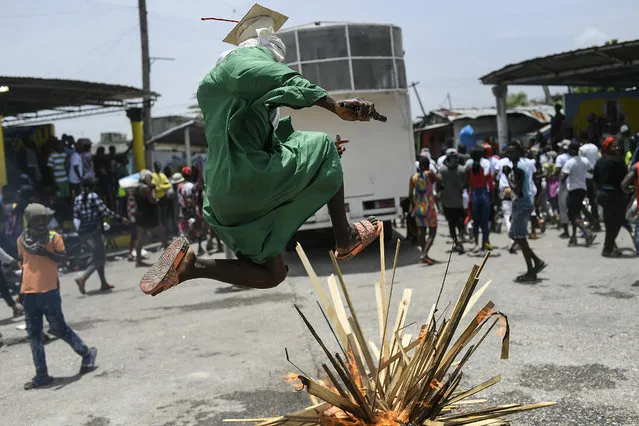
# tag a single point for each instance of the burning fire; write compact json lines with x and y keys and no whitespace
{"x":389,"y":418}
{"x":294,"y":380}
{"x":483,"y":314}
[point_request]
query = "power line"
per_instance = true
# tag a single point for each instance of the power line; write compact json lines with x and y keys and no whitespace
{"x":99,"y":50}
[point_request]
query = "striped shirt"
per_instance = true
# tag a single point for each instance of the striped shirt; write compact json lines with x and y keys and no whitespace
{"x":57,"y":162}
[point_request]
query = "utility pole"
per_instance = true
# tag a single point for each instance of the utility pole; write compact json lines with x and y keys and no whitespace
{"x":450,"y":104}
{"x":146,"y":77}
{"x":414,"y":84}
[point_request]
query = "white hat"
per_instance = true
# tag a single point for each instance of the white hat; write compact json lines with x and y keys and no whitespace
{"x":257,"y":17}
{"x":565,"y":143}
{"x":623,"y":128}
{"x":451,"y":151}
{"x":177,"y":178}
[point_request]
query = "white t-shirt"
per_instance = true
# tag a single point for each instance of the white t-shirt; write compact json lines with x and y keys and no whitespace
{"x":503,"y":179}
{"x":576,"y":168}
{"x":75,"y":160}
{"x":561,"y":160}
{"x":591,"y":153}
{"x":532,"y":169}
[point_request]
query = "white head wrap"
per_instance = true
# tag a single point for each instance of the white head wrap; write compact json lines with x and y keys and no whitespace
{"x":265,"y":38}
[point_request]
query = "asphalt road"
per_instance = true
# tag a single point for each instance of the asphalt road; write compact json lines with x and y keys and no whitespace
{"x":203,"y":352}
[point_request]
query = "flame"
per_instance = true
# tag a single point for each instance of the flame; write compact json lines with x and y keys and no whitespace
{"x":294,"y":380}
{"x":435,"y":384}
{"x":353,"y":370}
{"x":423,"y":332}
{"x":503,"y":325}
{"x":339,"y":418}
{"x":483,"y":313}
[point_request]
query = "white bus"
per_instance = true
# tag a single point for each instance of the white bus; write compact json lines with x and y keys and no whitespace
{"x":362,"y":61}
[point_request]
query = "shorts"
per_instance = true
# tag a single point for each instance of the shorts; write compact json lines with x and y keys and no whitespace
{"x":575,"y":203}
{"x":64,"y":189}
{"x":522,"y":208}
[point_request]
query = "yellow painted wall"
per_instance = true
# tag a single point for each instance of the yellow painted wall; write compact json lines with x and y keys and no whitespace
{"x":628,"y":106}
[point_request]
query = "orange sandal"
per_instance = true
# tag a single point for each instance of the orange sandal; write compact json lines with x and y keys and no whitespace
{"x":163,"y":274}
{"x":367,"y":234}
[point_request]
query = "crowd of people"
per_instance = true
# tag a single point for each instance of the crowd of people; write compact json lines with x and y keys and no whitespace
{"x":531,"y":186}
{"x":87,"y":195}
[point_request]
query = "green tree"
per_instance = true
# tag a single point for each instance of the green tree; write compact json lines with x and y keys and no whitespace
{"x":517,"y":99}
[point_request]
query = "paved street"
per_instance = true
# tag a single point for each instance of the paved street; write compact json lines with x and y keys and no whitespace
{"x":202,"y":352}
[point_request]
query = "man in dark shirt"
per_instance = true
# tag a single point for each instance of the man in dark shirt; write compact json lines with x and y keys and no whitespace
{"x":453,"y":182}
{"x":556,"y":126}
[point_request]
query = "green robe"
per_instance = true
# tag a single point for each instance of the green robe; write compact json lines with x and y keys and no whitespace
{"x":261,"y":185}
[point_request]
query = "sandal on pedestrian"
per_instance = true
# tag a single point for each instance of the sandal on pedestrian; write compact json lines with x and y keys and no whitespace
{"x":37,"y":382}
{"x":81,"y":283}
{"x":428,"y":261}
{"x":106,"y":287}
{"x":367,"y":234}
{"x":540,"y":267}
{"x":163,"y":274}
{"x":526,"y":278}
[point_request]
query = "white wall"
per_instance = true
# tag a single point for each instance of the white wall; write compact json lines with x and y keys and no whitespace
{"x":380,"y":157}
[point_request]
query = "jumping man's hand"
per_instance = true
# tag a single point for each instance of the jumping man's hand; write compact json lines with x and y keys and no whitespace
{"x":339,"y":144}
{"x":354,"y":110}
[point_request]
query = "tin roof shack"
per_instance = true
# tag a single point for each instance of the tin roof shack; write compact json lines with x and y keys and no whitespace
{"x":440,"y":129}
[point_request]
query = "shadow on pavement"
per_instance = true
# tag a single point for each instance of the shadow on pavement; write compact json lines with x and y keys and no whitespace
{"x":61,"y":382}
{"x":365,"y":262}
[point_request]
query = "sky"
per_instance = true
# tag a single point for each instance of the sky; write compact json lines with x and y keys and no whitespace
{"x":448,"y":44}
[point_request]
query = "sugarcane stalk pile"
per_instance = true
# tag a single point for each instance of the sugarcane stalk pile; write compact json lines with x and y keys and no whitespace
{"x":404,"y":380}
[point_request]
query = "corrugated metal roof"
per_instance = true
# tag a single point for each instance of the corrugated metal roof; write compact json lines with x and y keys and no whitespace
{"x":31,"y":94}
{"x":609,"y":65}
{"x":541,"y":113}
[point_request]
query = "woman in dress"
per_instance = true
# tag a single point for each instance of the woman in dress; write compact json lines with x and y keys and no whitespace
{"x":423,"y":207}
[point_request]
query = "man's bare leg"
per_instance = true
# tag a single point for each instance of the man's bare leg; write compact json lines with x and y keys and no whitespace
{"x":346,"y":237}
{"x":240,"y":272}
{"x":243,"y":272}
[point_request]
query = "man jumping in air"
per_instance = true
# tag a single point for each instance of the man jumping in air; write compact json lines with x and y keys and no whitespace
{"x":263,"y":180}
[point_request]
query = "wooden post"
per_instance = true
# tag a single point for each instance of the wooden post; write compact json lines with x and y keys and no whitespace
{"x":146,"y":76}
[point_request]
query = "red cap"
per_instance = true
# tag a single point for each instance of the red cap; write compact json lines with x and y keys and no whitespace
{"x":488,"y":148}
{"x":606,"y":144}
{"x":186,"y":171}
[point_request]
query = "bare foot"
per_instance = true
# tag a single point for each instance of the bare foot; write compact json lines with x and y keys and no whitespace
{"x":185,"y":267}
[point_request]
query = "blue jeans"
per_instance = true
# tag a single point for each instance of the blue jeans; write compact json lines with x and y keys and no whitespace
{"x":48,"y":304}
{"x":480,"y":211}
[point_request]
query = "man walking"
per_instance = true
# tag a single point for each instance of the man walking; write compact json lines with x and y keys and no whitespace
{"x":591,"y":153}
{"x":162,"y":185}
{"x":562,"y":194}
{"x":574,"y":173}
{"x":453,"y":183}
{"x":522,"y":205}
